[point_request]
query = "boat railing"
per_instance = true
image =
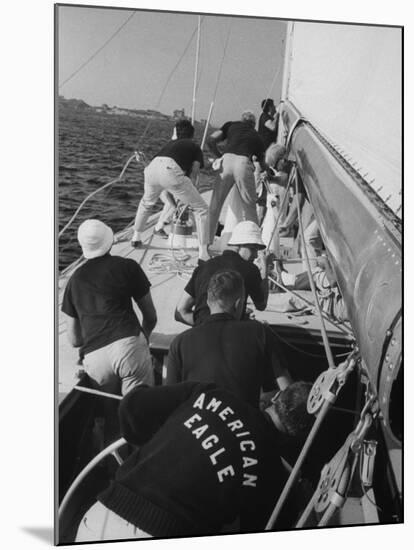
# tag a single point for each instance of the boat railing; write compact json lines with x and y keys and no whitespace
{"x":112,"y":449}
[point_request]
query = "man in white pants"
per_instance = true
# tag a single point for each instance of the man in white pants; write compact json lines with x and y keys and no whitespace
{"x":243,"y":146}
{"x":172,"y":170}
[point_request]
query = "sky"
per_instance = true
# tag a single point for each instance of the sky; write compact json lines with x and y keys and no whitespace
{"x":132,"y":69}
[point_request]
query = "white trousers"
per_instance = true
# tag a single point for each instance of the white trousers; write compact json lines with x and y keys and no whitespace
{"x":162,"y":174}
{"x":126,"y":362}
{"x":100,"y":523}
{"x":239,"y":170}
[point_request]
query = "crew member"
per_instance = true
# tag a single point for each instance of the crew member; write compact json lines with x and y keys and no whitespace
{"x":268,"y":122}
{"x":205,"y":458}
{"x":173,"y":169}
{"x":235,"y":354}
{"x":245,"y":242}
{"x":312,"y":236}
{"x":274,"y":177}
{"x":100,"y":316}
{"x":243,"y":145}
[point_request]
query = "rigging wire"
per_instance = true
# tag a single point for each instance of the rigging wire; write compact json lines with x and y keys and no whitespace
{"x":273,"y":81}
{"x":222,"y":61}
{"x":366,"y":495}
{"x":135,"y":155}
{"x":167,"y":82}
{"x":303,"y":351}
{"x":98,"y":50}
{"x":312,"y":283}
{"x":277,"y":72}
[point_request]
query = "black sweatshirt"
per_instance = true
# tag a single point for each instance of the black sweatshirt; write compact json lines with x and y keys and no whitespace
{"x":206,"y":458}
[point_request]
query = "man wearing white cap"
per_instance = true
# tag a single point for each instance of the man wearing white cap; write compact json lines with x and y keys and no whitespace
{"x":100,"y":316}
{"x":245,"y":242}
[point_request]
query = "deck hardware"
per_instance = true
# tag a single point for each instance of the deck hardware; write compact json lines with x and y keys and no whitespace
{"x":337,"y":475}
{"x":331,"y":383}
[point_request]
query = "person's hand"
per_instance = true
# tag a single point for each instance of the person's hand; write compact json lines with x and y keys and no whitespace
{"x":266,"y":399}
{"x":284,"y":230}
{"x":265,"y":263}
{"x":249,"y":314}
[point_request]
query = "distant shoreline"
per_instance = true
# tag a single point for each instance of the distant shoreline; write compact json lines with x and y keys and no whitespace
{"x":81,"y":106}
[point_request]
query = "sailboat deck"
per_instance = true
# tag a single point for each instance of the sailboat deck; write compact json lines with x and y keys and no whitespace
{"x":167,"y":285}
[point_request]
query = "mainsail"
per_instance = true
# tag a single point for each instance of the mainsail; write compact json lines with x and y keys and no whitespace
{"x":346,"y":80}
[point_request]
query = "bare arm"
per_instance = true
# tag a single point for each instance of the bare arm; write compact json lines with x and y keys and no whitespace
{"x":149,"y":315}
{"x":265,"y":264}
{"x":184,"y":310}
{"x":212,"y":141}
{"x":271,"y":124}
{"x":261,"y":306}
{"x":324,"y":263}
{"x":74,"y":332}
{"x":195,"y":171}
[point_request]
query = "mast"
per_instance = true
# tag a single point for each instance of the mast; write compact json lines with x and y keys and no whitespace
{"x":287,"y":60}
{"x":196,"y":70}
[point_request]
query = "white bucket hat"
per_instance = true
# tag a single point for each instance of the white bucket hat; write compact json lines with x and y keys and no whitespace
{"x":95,"y":238}
{"x":247,"y":233}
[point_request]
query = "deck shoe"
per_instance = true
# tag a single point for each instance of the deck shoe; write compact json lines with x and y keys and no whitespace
{"x":161,"y":233}
{"x":136,"y":244}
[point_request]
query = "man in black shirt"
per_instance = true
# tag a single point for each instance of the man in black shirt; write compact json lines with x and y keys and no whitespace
{"x":268,"y":122}
{"x":100,"y":316}
{"x":267,"y":129}
{"x":238,"y":355}
{"x":245,"y":242}
{"x":205,"y":458}
{"x":243,"y":146}
{"x":172,"y":169}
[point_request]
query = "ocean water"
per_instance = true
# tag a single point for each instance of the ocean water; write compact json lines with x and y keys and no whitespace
{"x":92,"y":150}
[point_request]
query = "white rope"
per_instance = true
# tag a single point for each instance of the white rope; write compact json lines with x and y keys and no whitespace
{"x":82,"y":204}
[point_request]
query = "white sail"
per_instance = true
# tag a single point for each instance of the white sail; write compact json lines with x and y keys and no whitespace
{"x":346,"y":80}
